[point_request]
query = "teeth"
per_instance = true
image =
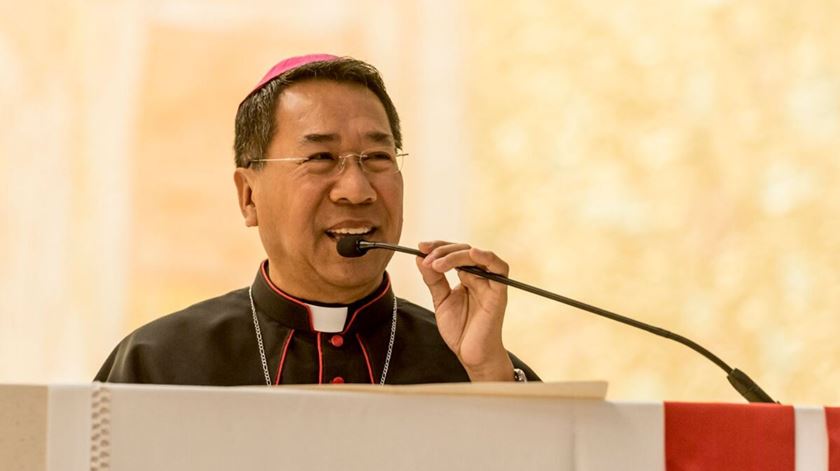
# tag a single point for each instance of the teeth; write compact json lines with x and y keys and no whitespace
{"x":351,"y":231}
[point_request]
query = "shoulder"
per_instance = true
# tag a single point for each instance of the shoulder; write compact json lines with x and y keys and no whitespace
{"x":203,"y":317}
{"x":181,"y":340}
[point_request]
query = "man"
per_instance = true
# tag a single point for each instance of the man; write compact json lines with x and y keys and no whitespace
{"x":317,"y":154}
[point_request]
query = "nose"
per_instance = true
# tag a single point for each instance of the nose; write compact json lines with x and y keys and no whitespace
{"x":352,"y":185}
{"x":342,"y":161}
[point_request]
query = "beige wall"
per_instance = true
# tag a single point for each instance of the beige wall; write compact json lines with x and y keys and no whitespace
{"x":669,"y":160}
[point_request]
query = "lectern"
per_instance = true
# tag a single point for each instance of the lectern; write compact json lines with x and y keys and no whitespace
{"x":533,"y":426}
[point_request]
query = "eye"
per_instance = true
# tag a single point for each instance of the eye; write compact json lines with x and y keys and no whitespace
{"x":379,"y":157}
{"x":379,"y":162}
{"x":321,"y":157}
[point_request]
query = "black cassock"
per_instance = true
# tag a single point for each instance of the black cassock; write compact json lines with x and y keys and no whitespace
{"x":214,"y":343}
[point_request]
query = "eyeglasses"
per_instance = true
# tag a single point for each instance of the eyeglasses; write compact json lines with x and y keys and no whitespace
{"x":327,"y":163}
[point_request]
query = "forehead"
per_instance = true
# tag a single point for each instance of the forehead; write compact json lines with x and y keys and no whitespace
{"x":327,"y":106}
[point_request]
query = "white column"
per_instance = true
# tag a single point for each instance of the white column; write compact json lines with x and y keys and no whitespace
{"x":67,"y":148}
{"x":811,"y":439}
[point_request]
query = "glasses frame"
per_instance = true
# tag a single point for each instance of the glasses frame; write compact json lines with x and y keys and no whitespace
{"x":342,"y":159}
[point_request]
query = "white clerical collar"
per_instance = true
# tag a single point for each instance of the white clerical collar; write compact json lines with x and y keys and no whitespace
{"x":327,"y":319}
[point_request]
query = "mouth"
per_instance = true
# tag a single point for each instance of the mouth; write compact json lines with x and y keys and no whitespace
{"x":362,"y":231}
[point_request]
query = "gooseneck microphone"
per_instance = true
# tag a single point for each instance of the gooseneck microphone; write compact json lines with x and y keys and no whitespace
{"x":355,"y":246}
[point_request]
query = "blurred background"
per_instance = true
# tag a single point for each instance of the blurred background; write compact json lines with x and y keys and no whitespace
{"x":676,"y":161}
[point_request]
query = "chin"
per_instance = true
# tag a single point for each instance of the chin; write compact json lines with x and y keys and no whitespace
{"x":360,"y":272}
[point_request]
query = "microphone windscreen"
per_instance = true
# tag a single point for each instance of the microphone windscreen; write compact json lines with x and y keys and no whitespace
{"x":349,"y":247}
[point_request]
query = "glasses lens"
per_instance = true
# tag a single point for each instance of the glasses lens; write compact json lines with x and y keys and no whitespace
{"x":379,"y":162}
{"x":321,"y":163}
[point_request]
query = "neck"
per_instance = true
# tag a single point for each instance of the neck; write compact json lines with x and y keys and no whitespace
{"x":324,"y":293}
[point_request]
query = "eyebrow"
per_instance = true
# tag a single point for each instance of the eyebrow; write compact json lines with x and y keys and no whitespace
{"x":380,"y":137}
{"x":319,"y":138}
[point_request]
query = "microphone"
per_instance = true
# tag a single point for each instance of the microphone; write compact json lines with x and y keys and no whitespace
{"x":355,"y":246}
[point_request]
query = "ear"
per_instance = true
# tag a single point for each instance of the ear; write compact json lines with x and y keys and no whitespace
{"x":244,"y":191}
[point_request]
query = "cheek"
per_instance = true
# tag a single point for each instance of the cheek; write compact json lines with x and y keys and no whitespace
{"x":393,"y":198}
{"x":302,"y":212}
{"x":271,"y":204}
{"x":288,"y":212}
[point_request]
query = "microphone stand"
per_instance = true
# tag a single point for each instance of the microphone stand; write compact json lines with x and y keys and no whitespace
{"x":742,"y":383}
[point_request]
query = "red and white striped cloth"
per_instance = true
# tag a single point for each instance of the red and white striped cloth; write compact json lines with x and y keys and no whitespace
{"x":719,"y":437}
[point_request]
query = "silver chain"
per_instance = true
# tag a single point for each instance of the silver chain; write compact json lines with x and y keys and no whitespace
{"x":262,"y":348}
{"x":259,"y":339}
{"x":390,"y":343}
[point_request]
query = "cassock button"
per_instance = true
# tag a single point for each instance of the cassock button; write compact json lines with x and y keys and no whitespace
{"x":336,"y":340}
{"x":337,"y":380}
